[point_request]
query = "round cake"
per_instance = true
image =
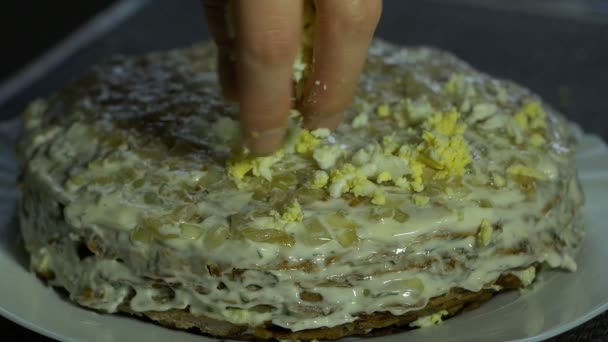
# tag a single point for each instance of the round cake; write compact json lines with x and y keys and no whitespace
{"x":442,"y":187}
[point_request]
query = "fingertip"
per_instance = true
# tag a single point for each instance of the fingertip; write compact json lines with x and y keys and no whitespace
{"x":264,"y":142}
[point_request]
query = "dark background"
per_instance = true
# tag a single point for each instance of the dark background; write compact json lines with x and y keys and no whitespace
{"x":28,"y":28}
{"x":558,"y":48}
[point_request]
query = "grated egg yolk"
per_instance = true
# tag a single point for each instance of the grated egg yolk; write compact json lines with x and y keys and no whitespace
{"x":293,"y":212}
{"x":531,"y":116}
{"x":242,"y":163}
{"x":306,"y":142}
{"x":383,"y":111}
{"x":319,"y":179}
{"x":420,"y":200}
{"x":444,"y":148}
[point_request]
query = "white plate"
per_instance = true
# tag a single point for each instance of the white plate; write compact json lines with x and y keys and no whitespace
{"x":559,"y":302}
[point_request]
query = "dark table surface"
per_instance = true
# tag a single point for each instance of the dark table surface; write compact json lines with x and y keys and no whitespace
{"x":562,"y":55}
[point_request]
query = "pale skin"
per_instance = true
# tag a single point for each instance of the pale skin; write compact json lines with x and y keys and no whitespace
{"x":256,"y":67}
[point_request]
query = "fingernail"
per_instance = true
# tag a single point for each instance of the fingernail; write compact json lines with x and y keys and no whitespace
{"x":265,"y":142}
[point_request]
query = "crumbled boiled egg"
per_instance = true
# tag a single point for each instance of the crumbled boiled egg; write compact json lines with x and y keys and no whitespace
{"x":418,"y":109}
{"x":293,"y":212}
{"x":443,"y":151}
{"x":537,"y":140}
{"x":383,"y":111}
{"x":531,"y":116}
{"x":416,"y":168}
{"x":444,"y":148}
{"x":379,"y":198}
{"x":326,"y":156}
{"x":389,"y":144}
{"x":383,"y":177}
{"x":242,"y":163}
{"x":306,"y":142}
{"x":319,"y":179}
{"x":430,"y":320}
{"x":446,"y":123}
{"x":402,"y":183}
{"x":420,"y":200}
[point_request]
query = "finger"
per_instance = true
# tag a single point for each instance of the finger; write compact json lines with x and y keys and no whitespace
{"x":343,"y":32}
{"x":215,"y":13}
{"x":267,"y":39}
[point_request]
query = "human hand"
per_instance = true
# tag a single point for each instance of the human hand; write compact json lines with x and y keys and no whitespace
{"x":256,"y":62}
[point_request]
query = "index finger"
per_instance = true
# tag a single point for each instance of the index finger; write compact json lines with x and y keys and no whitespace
{"x":267,"y":40}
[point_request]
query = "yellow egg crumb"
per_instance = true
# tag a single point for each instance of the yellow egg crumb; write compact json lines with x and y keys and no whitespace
{"x":402,"y":183}
{"x":319,"y":179}
{"x":379,"y":198}
{"x":484,"y":234}
{"x":242,"y":163}
{"x":446,"y":123}
{"x":420,"y":200}
{"x":239,"y":169}
{"x":383,"y":111}
{"x":444,"y":148}
{"x":293,"y":212}
{"x":522,"y":170}
{"x":416,"y":168}
{"x":531,"y":117}
{"x":444,"y":151}
{"x":430,"y":320}
{"x":327,"y":156}
{"x":417,"y":110}
{"x":383,"y":177}
{"x":361,"y":186}
{"x":340,"y":180}
{"x":389,"y":144}
{"x":236,"y":316}
{"x":306,"y":142}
